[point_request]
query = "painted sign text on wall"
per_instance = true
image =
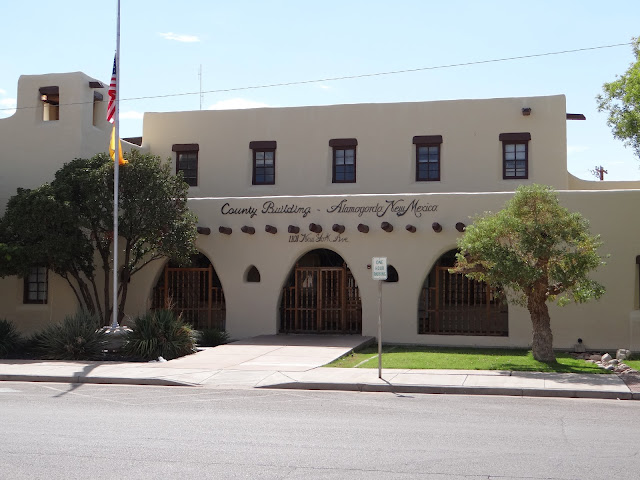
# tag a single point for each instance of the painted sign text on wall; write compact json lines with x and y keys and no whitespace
{"x":399,"y":207}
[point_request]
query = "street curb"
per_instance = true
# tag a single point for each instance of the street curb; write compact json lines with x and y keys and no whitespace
{"x":96,"y":380}
{"x":455,"y":390}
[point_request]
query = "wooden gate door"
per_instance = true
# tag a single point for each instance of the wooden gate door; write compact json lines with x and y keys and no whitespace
{"x":190,"y":292}
{"x":456,"y":305}
{"x":321,"y":300}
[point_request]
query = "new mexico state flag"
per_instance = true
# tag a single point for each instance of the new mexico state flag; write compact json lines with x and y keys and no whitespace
{"x":112,"y":148}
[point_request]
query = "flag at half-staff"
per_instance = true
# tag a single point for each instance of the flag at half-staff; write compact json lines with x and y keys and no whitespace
{"x":111,"y":110}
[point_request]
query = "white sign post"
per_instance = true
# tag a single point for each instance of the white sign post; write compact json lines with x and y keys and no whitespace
{"x":379,"y":273}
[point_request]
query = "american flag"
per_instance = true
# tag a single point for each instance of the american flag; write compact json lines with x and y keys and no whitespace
{"x":111,"y":107}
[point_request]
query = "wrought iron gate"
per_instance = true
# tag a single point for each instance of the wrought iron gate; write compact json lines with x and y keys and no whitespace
{"x":321,"y":300}
{"x":457,"y":305}
{"x":193,"y":293}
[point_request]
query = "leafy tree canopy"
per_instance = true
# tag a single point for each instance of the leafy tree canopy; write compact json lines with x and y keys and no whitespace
{"x":67,"y":225}
{"x":538,"y":251}
{"x":621,"y":99}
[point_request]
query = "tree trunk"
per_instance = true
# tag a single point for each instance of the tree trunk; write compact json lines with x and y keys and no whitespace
{"x":542,"y":345}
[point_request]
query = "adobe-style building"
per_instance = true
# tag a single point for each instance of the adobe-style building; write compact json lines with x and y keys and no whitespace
{"x":293,"y":204}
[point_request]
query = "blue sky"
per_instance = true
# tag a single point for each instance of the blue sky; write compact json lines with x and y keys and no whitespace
{"x":242,"y":43}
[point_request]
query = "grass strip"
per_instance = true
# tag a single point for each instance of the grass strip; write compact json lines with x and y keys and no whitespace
{"x":445,"y":358}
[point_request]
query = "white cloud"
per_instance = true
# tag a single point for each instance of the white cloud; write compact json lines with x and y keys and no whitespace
{"x":571,"y":149}
{"x":7,"y":103}
{"x":180,"y":37}
{"x":131,"y":115}
{"x":3,"y":92}
{"x":324,"y":87}
{"x":237,"y":104}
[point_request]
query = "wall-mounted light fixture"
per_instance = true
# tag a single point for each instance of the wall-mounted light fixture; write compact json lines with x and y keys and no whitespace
{"x":526,"y":111}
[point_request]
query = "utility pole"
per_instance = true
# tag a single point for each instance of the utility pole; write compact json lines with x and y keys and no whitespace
{"x":599,"y":172}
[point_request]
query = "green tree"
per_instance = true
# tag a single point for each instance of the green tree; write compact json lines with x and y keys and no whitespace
{"x":67,"y":225}
{"x":621,"y":99}
{"x":537,"y":251}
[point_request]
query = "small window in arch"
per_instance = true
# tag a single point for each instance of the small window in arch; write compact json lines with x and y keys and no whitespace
{"x":253,"y":275}
{"x":392,"y":274}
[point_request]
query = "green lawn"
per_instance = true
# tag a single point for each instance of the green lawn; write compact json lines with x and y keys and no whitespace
{"x":416,"y":357}
{"x":635,"y":364}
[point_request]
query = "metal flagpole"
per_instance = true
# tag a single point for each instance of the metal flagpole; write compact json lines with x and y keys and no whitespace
{"x":116,"y":164}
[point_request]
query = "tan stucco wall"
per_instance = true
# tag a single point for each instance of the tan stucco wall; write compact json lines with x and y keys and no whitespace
{"x":253,"y":308}
{"x":33,"y":149}
{"x":471,"y":151}
{"x":576,"y":183}
{"x":471,"y":162}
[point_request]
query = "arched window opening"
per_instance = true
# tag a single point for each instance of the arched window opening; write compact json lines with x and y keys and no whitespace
{"x":392,"y":274}
{"x":252,"y":275}
{"x":193,"y":291}
{"x":453,"y":304}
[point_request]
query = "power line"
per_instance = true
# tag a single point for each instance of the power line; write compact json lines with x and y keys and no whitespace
{"x":364,"y":75}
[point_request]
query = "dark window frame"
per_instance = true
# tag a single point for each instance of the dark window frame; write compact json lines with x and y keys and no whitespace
{"x":29,"y":280}
{"x":190,"y":174}
{"x":428,"y":141}
{"x":343,"y":145}
{"x":263,"y":147}
{"x":515,"y":139}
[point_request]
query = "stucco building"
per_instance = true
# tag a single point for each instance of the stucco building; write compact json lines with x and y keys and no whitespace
{"x":293,"y":203}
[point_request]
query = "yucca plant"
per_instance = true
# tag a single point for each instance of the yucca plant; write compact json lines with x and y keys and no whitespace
{"x":10,"y":340}
{"x":211,"y":337}
{"x":77,"y":337}
{"x":160,"y":333}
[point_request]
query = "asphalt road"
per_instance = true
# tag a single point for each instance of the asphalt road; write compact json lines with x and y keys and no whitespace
{"x":58,"y":431}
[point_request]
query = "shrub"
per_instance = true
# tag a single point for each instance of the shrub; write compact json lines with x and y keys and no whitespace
{"x":211,"y":337}
{"x":10,"y":340}
{"x":160,"y":334}
{"x":77,"y":337}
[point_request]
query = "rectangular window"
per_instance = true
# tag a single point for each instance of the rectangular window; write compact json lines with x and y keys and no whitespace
{"x":344,"y":159}
{"x":97,"y":112}
{"x":515,"y":155}
{"x":427,"y":157}
{"x":36,"y":286}
{"x":264,"y":162}
{"x":187,"y":161}
{"x":50,"y":98}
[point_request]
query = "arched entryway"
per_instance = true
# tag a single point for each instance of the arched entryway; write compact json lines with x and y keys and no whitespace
{"x":452,"y":304}
{"x":321,"y":296}
{"x":194,"y":291}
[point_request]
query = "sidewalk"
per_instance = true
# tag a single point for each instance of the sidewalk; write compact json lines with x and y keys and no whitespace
{"x":295,"y":362}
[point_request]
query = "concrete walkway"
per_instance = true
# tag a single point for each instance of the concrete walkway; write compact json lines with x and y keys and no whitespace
{"x":295,"y":362}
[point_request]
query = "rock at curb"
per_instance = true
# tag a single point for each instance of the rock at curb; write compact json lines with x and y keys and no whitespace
{"x":606,"y":358}
{"x":609,"y":368}
{"x":596,"y":358}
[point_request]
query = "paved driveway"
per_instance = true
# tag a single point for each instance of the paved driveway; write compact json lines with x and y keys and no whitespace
{"x":289,"y":353}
